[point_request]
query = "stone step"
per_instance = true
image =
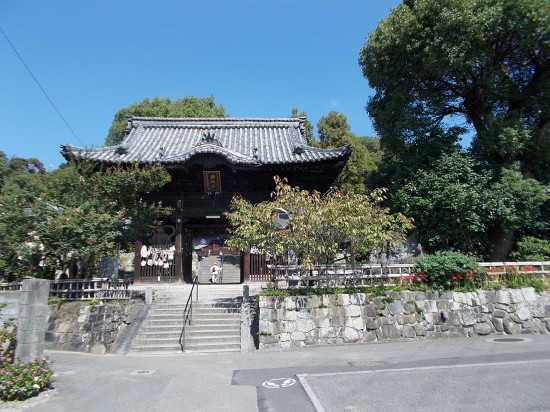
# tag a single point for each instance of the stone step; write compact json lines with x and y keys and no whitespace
{"x":151,"y":338}
{"x":191,"y":334}
{"x":163,"y":347}
{"x":155,"y":323}
{"x":200,"y":339}
{"x":213,"y":347}
{"x":177,"y":327}
{"x":210,"y":301}
{"x":217,"y":310}
{"x":216,"y":322}
{"x":160,"y":348}
{"x":194,"y":331}
{"x":213,"y":327}
{"x":209,"y":317}
{"x":212,"y":318}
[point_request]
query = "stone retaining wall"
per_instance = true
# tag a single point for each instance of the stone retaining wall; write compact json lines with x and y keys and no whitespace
{"x":95,"y":329}
{"x":349,"y":318}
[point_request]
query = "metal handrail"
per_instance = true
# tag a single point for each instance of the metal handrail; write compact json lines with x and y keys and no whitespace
{"x":188,"y":311}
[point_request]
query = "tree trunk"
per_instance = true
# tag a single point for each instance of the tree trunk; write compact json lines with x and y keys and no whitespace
{"x":502,"y":243}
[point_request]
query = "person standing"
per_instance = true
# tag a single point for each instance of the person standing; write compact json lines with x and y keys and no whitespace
{"x":214,"y":272}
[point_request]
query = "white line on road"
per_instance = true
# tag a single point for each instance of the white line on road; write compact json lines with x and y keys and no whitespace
{"x":312,"y":397}
{"x":319,"y":407}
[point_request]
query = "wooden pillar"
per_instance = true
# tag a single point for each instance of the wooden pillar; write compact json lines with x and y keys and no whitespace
{"x":178,"y":243}
{"x":137,"y":261}
{"x":178,"y":256}
{"x":246,"y":266}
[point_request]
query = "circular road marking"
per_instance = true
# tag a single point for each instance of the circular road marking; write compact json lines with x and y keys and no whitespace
{"x":279,"y":383}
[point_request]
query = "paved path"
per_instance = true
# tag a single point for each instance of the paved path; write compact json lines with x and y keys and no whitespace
{"x":474,"y":374}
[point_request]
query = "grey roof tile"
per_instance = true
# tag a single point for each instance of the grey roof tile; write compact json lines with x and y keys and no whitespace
{"x":251,"y":142}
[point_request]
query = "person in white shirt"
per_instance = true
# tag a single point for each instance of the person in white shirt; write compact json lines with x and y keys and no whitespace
{"x":214,"y":272}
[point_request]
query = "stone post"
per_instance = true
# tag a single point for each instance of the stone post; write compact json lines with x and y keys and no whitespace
{"x":148,"y":295}
{"x":32,"y":319}
{"x":245,"y":321}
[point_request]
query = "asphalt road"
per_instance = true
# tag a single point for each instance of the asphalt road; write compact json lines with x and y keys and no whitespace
{"x":469,"y":374}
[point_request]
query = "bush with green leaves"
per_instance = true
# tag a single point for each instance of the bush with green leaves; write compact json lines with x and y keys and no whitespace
{"x":530,"y":248}
{"x":448,"y":270}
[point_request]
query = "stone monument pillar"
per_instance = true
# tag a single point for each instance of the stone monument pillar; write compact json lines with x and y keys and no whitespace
{"x":32,"y":319}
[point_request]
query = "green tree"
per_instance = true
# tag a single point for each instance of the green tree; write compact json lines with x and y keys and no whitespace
{"x":456,"y":207}
{"x":17,"y":165}
{"x":158,"y":107}
{"x":512,"y":202}
{"x":51,"y":222}
{"x":484,"y":64}
{"x":320,"y":226}
{"x":448,"y":204}
{"x":334,"y":131}
{"x":532,"y":248}
{"x":372,"y":144}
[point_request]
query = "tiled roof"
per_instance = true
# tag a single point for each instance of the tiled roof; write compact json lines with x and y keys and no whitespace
{"x":252,"y":142}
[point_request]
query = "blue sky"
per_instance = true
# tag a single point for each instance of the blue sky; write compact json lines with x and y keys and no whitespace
{"x":258,"y":58}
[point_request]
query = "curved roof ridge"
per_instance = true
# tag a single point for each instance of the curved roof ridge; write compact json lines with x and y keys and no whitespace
{"x":213,"y":149}
{"x":231,"y":119}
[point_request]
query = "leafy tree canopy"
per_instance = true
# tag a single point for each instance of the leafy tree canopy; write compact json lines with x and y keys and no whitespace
{"x":49,"y":222}
{"x":483,"y":64}
{"x":456,"y":207}
{"x":334,"y":131}
{"x":158,"y":107}
{"x":320,"y":226}
{"x":17,"y":165}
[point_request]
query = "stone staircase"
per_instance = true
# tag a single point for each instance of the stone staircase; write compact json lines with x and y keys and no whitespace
{"x":215,"y":324}
{"x":216,"y":327}
{"x":231,"y":269}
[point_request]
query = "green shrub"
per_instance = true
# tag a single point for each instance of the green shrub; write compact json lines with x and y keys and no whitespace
{"x":536,"y":284}
{"x":69,"y":310}
{"x":55,"y":300}
{"x":450,"y":270}
{"x":530,"y":248}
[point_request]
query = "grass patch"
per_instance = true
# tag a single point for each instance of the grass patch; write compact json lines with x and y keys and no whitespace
{"x":68,"y":310}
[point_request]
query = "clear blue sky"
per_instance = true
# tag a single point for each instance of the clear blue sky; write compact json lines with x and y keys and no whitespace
{"x":258,"y":58}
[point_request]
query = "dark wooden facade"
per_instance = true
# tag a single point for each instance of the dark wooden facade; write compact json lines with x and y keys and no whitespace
{"x":211,"y":161}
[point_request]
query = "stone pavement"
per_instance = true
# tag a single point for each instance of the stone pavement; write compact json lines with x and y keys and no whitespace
{"x":498,"y":373}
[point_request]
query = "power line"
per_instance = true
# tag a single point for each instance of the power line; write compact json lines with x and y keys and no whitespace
{"x":41,"y":88}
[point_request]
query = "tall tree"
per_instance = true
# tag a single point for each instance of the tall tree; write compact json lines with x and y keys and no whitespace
{"x":334,"y":131}
{"x":158,"y":107}
{"x":485,"y":63}
{"x":443,"y":68}
{"x":18,"y":165}
{"x":456,"y":207}
{"x":48,"y":222}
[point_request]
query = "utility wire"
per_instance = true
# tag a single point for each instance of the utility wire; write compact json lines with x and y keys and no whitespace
{"x":41,"y":88}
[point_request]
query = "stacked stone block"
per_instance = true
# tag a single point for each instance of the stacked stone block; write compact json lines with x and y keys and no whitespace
{"x":349,"y":318}
{"x":31,"y":321}
{"x":95,"y":330}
